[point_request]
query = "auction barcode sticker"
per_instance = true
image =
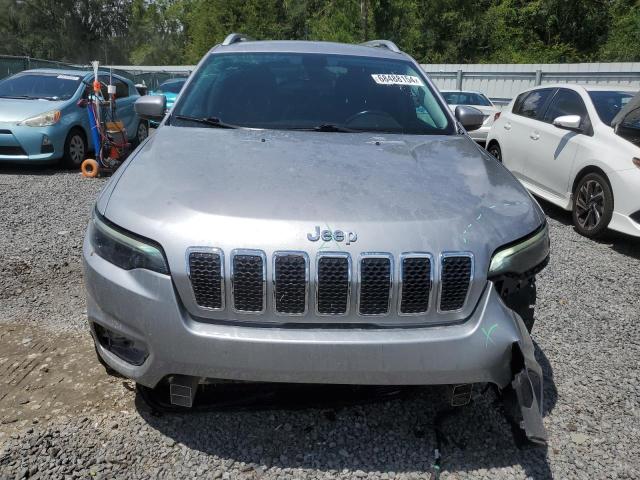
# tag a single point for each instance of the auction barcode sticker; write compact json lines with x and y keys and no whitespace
{"x":67,"y":77}
{"x":394,"y":79}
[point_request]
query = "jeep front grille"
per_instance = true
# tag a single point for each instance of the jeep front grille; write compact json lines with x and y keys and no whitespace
{"x":375,"y":284}
{"x":455,"y":280}
{"x":248,"y":280}
{"x":290,"y":282}
{"x":415,"y":283}
{"x":333,"y":283}
{"x":205,"y":269}
{"x":422,"y":286}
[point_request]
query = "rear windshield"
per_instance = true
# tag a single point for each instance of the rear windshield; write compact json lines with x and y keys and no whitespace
{"x":305,"y":91}
{"x":466,"y":98}
{"x":39,"y":85}
{"x":171,"y":87}
{"x":608,"y":104}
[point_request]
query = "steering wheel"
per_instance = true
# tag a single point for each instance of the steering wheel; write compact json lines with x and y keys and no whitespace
{"x":355,"y":116}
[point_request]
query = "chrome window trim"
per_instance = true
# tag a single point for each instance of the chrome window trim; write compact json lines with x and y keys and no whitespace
{"x":363,"y":256}
{"x":255,"y":253}
{"x":220,"y":253}
{"x":346,"y":255}
{"x":444,"y":255}
{"x":401,"y":281}
{"x":286,"y":253}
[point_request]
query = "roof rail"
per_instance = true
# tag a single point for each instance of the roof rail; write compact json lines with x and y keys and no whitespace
{"x":388,"y":44}
{"x":236,"y":38}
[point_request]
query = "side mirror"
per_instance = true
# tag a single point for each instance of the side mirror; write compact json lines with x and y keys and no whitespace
{"x":470,"y":118}
{"x":569,"y":122}
{"x":151,"y":107}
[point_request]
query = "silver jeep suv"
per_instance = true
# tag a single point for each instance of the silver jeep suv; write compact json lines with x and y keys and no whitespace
{"x":312,"y":212}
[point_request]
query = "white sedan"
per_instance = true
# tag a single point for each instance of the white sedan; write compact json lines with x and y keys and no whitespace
{"x":476,"y":100}
{"x":558,"y":141}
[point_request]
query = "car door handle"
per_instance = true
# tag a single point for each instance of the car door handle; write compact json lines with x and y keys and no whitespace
{"x":534,"y":135}
{"x":507,"y":126}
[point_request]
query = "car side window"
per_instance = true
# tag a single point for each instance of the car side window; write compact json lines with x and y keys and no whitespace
{"x":566,"y":102}
{"x":531,"y":106}
{"x":122,"y":89}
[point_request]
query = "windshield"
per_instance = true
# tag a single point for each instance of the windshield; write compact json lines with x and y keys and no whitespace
{"x":466,"y":98}
{"x":171,"y":87}
{"x":39,"y":85}
{"x":608,"y":104}
{"x":306,"y":91}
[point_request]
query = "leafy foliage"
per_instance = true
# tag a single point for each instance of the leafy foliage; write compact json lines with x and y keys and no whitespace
{"x":457,"y":31}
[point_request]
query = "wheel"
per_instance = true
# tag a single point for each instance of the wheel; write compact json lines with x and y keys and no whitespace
{"x":90,"y":168}
{"x":494,"y":149}
{"x":75,"y":148}
{"x":523,"y":302}
{"x":592,"y":205}
{"x":142,"y":132}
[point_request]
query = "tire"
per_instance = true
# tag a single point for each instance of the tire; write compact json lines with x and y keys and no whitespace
{"x":592,"y":205}
{"x":495,"y":151}
{"x":75,"y":148}
{"x":523,"y":302}
{"x":142,"y":132}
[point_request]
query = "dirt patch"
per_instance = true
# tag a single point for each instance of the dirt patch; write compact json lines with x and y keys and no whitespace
{"x":44,"y":375}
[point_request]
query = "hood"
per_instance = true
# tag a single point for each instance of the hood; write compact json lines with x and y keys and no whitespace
{"x":269,"y":189}
{"x":17,"y":110}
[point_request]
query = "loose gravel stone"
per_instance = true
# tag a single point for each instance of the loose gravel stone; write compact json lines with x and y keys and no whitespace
{"x":586,"y":332}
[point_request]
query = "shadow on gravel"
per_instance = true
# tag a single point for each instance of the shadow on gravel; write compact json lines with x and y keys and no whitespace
{"x":395,"y":434}
{"x":18,"y":169}
{"x":619,"y":242}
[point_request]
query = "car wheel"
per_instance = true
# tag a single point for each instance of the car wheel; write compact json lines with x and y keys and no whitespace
{"x":142,"y":132}
{"x":523,"y":302}
{"x":494,"y":149}
{"x":75,"y":149}
{"x":592,"y":205}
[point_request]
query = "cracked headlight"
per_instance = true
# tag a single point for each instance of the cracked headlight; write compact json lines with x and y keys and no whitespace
{"x":522,"y":256}
{"x":124,"y":249}
{"x":43,"y":120}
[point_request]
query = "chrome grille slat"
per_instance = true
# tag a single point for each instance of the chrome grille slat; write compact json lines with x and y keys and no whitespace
{"x":376,"y":282}
{"x":416,"y":281}
{"x":248,"y":280}
{"x":290,"y":282}
{"x":333,"y":283}
{"x":205,"y":268}
{"x":455,"y":280}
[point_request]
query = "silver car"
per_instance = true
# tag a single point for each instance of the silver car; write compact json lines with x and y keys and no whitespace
{"x":313,"y":212}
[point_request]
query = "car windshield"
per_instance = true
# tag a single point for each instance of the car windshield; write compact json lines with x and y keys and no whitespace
{"x":466,"y":98}
{"x":171,"y":87}
{"x":40,"y":85}
{"x":608,"y":104}
{"x":312,"y":91}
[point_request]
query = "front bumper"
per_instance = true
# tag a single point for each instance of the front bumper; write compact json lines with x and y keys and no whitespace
{"x":626,"y":185}
{"x":143,"y":306}
{"x":19,"y":143}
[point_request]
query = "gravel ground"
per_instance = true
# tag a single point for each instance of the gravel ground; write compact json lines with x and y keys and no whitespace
{"x":586,"y":332}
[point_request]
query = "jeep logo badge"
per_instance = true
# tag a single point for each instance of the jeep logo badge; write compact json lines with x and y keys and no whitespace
{"x":336,"y":235}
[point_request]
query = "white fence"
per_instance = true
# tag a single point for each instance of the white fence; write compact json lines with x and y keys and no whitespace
{"x":502,"y":82}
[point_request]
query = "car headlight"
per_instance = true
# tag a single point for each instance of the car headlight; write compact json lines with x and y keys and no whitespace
{"x":522,"y":256}
{"x":125,"y":250}
{"x":43,"y":120}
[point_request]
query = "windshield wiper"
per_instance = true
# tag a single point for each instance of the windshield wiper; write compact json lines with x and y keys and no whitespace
{"x":213,"y":122}
{"x":19,"y":97}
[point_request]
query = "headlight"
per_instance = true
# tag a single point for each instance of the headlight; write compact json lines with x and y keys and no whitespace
{"x":124,"y":249}
{"x":521,"y":256}
{"x":43,"y":120}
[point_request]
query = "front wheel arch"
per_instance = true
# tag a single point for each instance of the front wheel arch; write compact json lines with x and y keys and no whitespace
{"x":585,"y":171}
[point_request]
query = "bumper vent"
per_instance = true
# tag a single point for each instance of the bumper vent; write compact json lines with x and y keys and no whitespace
{"x":456,"y":279}
{"x":290,"y":280}
{"x":375,"y":284}
{"x":333,"y":284}
{"x":207,"y":281}
{"x":415,"y":284}
{"x":12,"y":151}
{"x":248,"y":275}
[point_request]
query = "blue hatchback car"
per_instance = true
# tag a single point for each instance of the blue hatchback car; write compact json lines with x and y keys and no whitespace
{"x":41,"y":122}
{"x":170,"y":89}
